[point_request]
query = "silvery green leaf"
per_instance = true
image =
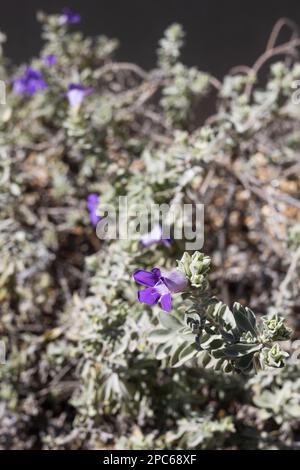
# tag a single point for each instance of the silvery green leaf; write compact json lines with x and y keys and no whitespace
{"x":211,"y":342}
{"x":160,"y":335}
{"x":175,"y":353}
{"x":163,"y":350}
{"x":185,"y":354}
{"x":169,"y":322}
{"x":239,"y":350}
{"x":245,"y":363}
{"x":224,"y":315}
{"x":293,"y":410}
{"x":204,"y":359}
{"x":245,"y":318}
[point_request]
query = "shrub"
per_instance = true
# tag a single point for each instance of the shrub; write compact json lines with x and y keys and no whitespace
{"x":88,"y":366}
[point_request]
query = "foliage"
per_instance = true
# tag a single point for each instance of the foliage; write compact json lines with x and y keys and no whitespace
{"x":215,"y":335}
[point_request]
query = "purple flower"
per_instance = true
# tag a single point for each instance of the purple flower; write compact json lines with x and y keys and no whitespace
{"x":155,"y":236}
{"x":30,"y":82}
{"x":159,"y":286}
{"x":76,"y":94}
{"x":92,"y":205}
{"x":49,"y":60}
{"x":69,"y":17}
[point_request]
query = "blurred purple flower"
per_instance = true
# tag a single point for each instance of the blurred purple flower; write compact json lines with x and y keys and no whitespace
{"x":160,"y":287}
{"x":92,"y":205}
{"x":50,"y":60}
{"x":155,"y":236}
{"x":69,"y":17}
{"x":76,"y":94}
{"x":29,"y":83}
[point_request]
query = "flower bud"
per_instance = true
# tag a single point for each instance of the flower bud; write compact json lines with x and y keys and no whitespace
{"x":274,"y":328}
{"x":195,"y":267}
{"x":274,"y":356}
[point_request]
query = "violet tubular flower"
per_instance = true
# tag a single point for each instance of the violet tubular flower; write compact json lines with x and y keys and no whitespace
{"x":159,"y":286}
{"x":69,"y":17}
{"x":154,"y":237}
{"x":92,"y":205}
{"x":76,"y":94}
{"x":50,"y":60}
{"x":29,"y":83}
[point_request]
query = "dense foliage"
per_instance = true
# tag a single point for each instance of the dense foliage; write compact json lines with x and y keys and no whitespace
{"x":88,"y":365}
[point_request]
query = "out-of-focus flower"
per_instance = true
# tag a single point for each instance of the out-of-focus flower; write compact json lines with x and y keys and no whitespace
{"x":50,"y":60}
{"x":69,"y":17}
{"x":92,"y":205}
{"x":29,"y":83}
{"x":76,"y":94}
{"x":160,"y":286}
{"x":155,"y":236}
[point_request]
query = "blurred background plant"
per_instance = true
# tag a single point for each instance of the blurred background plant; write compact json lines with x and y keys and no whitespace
{"x":81,"y":371}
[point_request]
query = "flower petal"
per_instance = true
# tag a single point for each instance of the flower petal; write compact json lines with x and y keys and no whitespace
{"x":175,"y":281}
{"x":30,"y":82}
{"x":156,"y":272}
{"x":75,"y":97}
{"x":155,"y":236}
{"x":167,"y":242}
{"x":166,"y":302}
{"x":145,"y":278}
{"x":92,"y":206}
{"x":149,"y":296}
{"x":152,"y":237}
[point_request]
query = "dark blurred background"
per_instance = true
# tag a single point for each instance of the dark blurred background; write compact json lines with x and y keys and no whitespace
{"x":220,"y":34}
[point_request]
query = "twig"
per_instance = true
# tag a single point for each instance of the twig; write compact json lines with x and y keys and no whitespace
{"x":279,"y":25}
{"x":122,"y":66}
{"x":215,"y":82}
{"x":283,"y":289}
{"x":286,"y":48}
